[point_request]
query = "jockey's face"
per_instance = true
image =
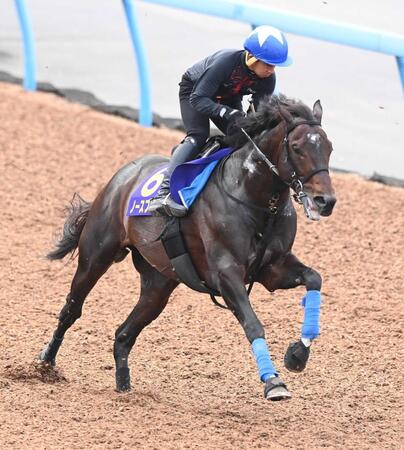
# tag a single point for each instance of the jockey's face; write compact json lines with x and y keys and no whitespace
{"x":262,"y":70}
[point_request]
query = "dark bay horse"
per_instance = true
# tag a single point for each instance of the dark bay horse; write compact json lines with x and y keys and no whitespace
{"x":279,"y":148}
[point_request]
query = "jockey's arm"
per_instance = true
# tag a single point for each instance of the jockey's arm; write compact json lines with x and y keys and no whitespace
{"x":206,"y":88}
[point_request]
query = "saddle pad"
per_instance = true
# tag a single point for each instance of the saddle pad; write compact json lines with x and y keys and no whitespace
{"x":187,"y":181}
{"x":140,"y":198}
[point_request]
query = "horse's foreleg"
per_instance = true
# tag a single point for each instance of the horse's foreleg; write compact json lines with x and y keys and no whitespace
{"x":94,"y":260}
{"x":286,"y":274}
{"x":154,"y":295}
{"x":235,"y":295}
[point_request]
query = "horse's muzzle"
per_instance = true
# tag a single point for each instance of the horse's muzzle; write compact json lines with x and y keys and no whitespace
{"x":325,"y":204}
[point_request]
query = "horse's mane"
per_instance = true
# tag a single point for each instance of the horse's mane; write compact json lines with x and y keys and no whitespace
{"x":267,"y":117}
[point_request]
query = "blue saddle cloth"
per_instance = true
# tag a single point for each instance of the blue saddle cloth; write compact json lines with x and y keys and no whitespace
{"x":187,"y":181}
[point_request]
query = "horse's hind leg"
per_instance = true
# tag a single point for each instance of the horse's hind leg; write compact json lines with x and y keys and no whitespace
{"x":154,"y":295}
{"x":289,"y":273}
{"x":95,"y":257}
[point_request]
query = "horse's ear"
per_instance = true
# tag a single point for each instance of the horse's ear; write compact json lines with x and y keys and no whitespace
{"x":318,"y":111}
{"x":285,"y":114}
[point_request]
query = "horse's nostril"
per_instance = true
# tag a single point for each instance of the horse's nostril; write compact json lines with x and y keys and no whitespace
{"x":325,"y":204}
{"x":320,"y":201}
{"x":331,"y":202}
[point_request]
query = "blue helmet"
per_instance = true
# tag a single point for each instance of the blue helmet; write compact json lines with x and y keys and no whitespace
{"x":268,"y":44}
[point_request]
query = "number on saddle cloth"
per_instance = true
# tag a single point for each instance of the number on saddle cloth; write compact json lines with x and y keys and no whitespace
{"x":187,"y":181}
{"x":140,"y":198}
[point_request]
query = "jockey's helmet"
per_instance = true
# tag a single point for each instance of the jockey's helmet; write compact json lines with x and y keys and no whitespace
{"x":268,"y":44}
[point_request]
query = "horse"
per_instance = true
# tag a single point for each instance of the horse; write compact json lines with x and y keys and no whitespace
{"x":233,"y":238}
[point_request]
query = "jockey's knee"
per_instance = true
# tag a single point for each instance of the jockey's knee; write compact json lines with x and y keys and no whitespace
{"x":197,"y":139}
{"x":312,"y":280}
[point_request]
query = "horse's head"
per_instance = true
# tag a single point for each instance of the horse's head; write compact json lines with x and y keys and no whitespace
{"x":288,"y":137}
{"x":304,"y":161}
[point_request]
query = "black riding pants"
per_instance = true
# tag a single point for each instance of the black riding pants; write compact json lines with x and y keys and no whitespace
{"x":196,"y":126}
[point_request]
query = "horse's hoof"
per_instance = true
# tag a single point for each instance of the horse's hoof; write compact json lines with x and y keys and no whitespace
{"x":124,"y":387}
{"x":296,"y":356}
{"x":122,"y":379}
{"x":276,"y":390}
{"x":43,"y":359}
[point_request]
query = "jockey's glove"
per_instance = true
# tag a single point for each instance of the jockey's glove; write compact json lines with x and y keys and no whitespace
{"x":231,"y":116}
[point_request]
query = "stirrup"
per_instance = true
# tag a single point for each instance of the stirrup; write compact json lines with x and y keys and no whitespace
{"x":172,"y":208}
{"x":156,"y":207}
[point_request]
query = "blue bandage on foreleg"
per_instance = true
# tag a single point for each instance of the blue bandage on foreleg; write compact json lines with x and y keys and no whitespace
{"x":311,"y":322}
{"x":266,"y":368}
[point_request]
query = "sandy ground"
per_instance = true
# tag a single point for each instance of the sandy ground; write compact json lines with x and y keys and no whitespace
{"x":194,"y":380}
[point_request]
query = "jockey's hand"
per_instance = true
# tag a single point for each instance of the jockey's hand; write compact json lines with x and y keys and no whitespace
{"x":232,"y":115}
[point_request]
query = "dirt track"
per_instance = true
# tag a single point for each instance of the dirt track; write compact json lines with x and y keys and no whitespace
{"x":194,"y":380}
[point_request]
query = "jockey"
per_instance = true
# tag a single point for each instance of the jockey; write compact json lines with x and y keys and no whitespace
{"x":213,"y":89}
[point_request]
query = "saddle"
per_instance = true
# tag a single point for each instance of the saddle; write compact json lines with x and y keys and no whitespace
{"x":213,"y":144}
{"x":187,"y":180}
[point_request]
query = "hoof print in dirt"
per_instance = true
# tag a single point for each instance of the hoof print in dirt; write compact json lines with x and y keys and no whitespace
{"x":46,"y":372}
{"x":36,"y":371}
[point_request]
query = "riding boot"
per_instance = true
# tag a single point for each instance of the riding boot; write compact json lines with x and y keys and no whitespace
{"x":163,"y":204}
{"x":156,"y":207}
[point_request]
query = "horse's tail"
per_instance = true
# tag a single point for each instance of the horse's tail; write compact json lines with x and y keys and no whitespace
{"x":77,"y":213}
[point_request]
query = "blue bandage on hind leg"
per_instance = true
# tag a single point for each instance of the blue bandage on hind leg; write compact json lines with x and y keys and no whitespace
{"x":266,"y":368}
{"x":311,"y":322}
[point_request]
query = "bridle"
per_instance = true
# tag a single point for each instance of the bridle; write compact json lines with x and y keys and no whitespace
{"x":295,"y":182}
{"x":295,"y":179}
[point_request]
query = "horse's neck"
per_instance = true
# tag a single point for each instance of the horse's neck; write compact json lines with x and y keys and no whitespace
{"x":254,"y":174}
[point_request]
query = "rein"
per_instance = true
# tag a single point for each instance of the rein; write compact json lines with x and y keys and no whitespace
{"x":295,"y":179}
{"x":267,"y":210}
{"x":296,"y":183}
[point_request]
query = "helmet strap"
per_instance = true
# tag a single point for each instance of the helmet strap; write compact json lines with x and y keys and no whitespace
{"x":250,"y":59}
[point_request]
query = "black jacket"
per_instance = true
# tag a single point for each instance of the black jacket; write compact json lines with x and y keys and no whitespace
{"x":223,"y":78}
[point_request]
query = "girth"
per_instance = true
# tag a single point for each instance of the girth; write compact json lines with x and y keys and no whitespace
{"x":181,"y":261}
{"x":175,"y":247}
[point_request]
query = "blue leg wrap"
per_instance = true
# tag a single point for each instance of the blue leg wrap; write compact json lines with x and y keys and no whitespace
{"x":266,"y":368}
{"x":311,"y":322}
